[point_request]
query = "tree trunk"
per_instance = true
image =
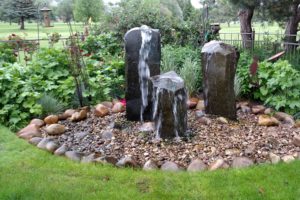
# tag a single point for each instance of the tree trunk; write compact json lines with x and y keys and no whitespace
{"x":22,"y":23}
{"x":245,"y":17}
{"x":291,"y":28}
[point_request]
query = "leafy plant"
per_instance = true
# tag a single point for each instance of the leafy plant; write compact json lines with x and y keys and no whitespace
{"x":18,"y":99}
{"x":279,"y":86}
{"x":7,"y":53}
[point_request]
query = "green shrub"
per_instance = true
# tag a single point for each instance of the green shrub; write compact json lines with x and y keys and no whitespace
{"x":18,"y":96}
{"x":7,"y":54}
{"x":190,"y":72}
{"x":243,"y":74}
{"x":279,"y":86}
{"x":50,"y":105}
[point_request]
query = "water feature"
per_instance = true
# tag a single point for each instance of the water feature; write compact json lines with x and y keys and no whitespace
{"x":219,"y":61}
{"x":142,"y":47}
{"x":169,"y":107}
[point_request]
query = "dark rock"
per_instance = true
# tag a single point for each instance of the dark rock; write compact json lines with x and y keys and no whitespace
{"x":245,"y":109}
{"x":141,"y":57}
{"x":284,"y":118}
{"x":169,"y":110}
{"x":196,"y":166}
{"x":240,"y":162}
{"x":219,"y":62}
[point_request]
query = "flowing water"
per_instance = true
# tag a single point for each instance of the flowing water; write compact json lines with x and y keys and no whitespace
{"x":144,"y":72}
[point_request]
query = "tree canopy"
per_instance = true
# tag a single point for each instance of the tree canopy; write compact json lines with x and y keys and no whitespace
{"x":86,"y":9}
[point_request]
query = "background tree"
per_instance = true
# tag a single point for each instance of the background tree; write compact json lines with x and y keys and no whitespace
{"x":245,"y":14}
{"x":65,"y":10}
{"x":20,"y":10}
{"x":86,"y":9}
{"x":223,"y":12}
{"x":285,"y":12}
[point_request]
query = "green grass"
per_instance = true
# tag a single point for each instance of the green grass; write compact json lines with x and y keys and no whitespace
{"x":29,"y":173}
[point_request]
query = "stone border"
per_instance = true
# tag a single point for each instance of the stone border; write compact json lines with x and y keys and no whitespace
{"x":32,"y":133}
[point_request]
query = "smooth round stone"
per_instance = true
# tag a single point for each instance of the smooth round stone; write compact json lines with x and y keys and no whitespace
{"x":73,"y":155}
{"x":35,"y":140}
{"x":43,"y":143}
{"x":197,"y":166}
{"x":150,"y":165}
{"x":127,"y":161}
{"x":170,"y":166}
{"x":51,"y":146}
{"x":88,"y":159}
{"x":241,"y":162}
{"x":61,"y":150}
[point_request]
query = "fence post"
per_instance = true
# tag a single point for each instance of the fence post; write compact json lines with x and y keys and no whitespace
{"x":253,"y":39}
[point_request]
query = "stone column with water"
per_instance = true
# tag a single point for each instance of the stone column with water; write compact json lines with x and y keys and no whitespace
{"x":219,"y":61}
{"x":169,"y":107}
{"x":142,"y":47}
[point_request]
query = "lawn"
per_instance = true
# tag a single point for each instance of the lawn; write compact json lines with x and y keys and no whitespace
{"x":29,"y":173}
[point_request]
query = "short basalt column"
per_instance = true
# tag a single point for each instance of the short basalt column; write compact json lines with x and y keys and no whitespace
{"x":142,"y":47}
{"x":169,"y":107}
{"x":219,"y":61}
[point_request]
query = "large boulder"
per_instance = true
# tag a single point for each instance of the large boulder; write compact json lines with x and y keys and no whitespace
{"x":219,"y":61}
{"x":30,"y":131}
{"x":55,"y":129}
{"x":142,"y":56}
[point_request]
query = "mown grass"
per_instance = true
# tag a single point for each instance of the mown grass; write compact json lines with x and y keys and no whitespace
{"x":29,"y":173}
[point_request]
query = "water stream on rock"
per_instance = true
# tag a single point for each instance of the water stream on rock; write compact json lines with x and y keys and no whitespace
{"x":144,"y":72}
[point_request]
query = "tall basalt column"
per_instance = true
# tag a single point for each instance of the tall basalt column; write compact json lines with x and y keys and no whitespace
{"x":219,"y":61}
{"x":169,"y":108}
{"x":143,"y":52}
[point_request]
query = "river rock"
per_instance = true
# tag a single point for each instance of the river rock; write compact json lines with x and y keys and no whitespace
{"x":55,"y":129}
{"x":43,"y":143}
{"x":73,"y":155}
{"x":274,"y":158}
{"x":232,"y":152}
{"x":35,"y":140}
{"x":170,"y":166}
{"x":106,"y":159}
{"x":192,"y":102}
{"x":196,"y":166}
{"x":142,"y":56}
{"x":296,"y":140}
{"x":126,"y":161}
{"x":169,"y":110}
{"x":268,"y":111}
{"x":204,"y":121}
{"x":108,"y":104}
{"x":38,"y":122}
{"x":147,"y":127}
{"x":118,"y":107}
{"x":51,"y":119}
{"x":150,"y":165}
{"x":30,"y":131}
{"x":288,"y":158}
{"x":52,"y":146}
{"x":241,"y":162}
{"x":61,"y":150}
{"x":297,"y":124}
{"x":200,"y":105}
{"x":69,"y":112}
{"x":222,"y":120}
{"x":245,"y":109}
{"x":266,"y":120}
{"x":284,"y":118}
{"x":218,"y":164}
{"x":258,"y":109}
{"x":219,"y":62}
{"x":79,"y":116}
{"x":88,"y":159}
{"x":101,"y":110}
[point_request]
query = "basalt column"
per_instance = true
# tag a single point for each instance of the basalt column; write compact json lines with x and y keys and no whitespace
{"x":169,"y":107}
{"x":142,"y":46}
{"x":219,"y":61}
